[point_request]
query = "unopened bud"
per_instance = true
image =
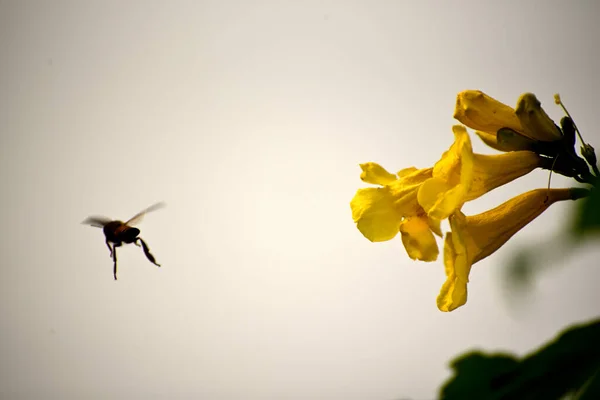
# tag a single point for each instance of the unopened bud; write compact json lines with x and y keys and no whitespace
{"x":587,"y":151}
{"x":534,"y":119}
{"x":557,"y":99}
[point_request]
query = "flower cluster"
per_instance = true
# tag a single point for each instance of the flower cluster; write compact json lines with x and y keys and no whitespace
{"x":415,"y":201}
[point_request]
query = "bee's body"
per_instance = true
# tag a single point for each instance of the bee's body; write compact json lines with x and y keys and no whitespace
{"x":119,"y":232}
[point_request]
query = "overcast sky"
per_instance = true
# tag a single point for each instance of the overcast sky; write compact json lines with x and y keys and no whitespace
{"x":249,"y":119}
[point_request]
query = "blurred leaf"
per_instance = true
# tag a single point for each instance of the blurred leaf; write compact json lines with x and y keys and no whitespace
{"x":568,"y":365}
{"x":475,"y":374}
{"x":521,"y":269}
{"x":587,"y":218}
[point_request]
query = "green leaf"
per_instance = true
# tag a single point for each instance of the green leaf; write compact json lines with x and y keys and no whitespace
{"x":587,"y":218}
{"x":568,"y":365}
{"x":477,"y":374}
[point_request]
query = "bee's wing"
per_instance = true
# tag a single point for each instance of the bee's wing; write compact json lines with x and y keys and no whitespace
{"x":136,"y":219}
{"x":96,"y":221}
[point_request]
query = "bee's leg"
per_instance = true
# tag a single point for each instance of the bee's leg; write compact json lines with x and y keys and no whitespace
{"x":109,"y":248}
{"x":114,"y":256}
{"x":149,"y":256}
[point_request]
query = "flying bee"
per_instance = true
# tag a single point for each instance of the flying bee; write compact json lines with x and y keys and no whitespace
{"x":119,"y":232}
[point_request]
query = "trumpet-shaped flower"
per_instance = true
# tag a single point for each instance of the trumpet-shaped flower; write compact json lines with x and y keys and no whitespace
{"x":461,"y":175}
{"x":414,"y":201}
{"x":536,"y":123}
{"x":475,"y":237}
{"x":380,"y":213}
{"x":520,"y":127}
{"x":481,"y":112}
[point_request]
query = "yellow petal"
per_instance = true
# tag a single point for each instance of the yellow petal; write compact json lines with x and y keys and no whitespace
{"x":418,"y":240}
{"x":449,"y":202}
{"x":404,"y":190}
{"x":440,"y":200}
{"x":492,"y":171}
{"x":414,"y":176}
{"x":376,"y":174}
{"x":460,"y":265}
{"x":430,"y":192}
{"x":449,"y":166}
{"x":374,"y":213}
{"x":506,"y":140}
{"x":481,"y":112}
{"x":490,"y":140}
{"x":487,"y":232}
{"x":446,"y":192}
{"x":535,"y":121}
{"x":475,"y":237}
{"x":453,"y":293}
{"x":460,"y":175}
{"x":406,"y":171}
{"x":435,"y":225}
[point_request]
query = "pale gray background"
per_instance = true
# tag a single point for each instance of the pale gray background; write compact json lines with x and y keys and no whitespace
{"x":250,"y":119}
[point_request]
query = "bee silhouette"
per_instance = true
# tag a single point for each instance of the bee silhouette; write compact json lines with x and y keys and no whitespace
{"x":118,"y":232}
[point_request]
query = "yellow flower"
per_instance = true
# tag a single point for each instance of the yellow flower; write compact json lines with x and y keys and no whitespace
{"x":475,"y":237}
{"x":536,"y":123}
{"x":462,"y":175}
{"x":481,"y":112}
{"x":380,"y":213}
{"x":447,"y":189}
{"x":486,"y":115}
{"x":414,"y":201}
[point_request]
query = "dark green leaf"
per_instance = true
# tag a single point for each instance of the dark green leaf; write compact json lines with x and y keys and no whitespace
{"x":587,"y":217}
{"x":569,"y":364}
